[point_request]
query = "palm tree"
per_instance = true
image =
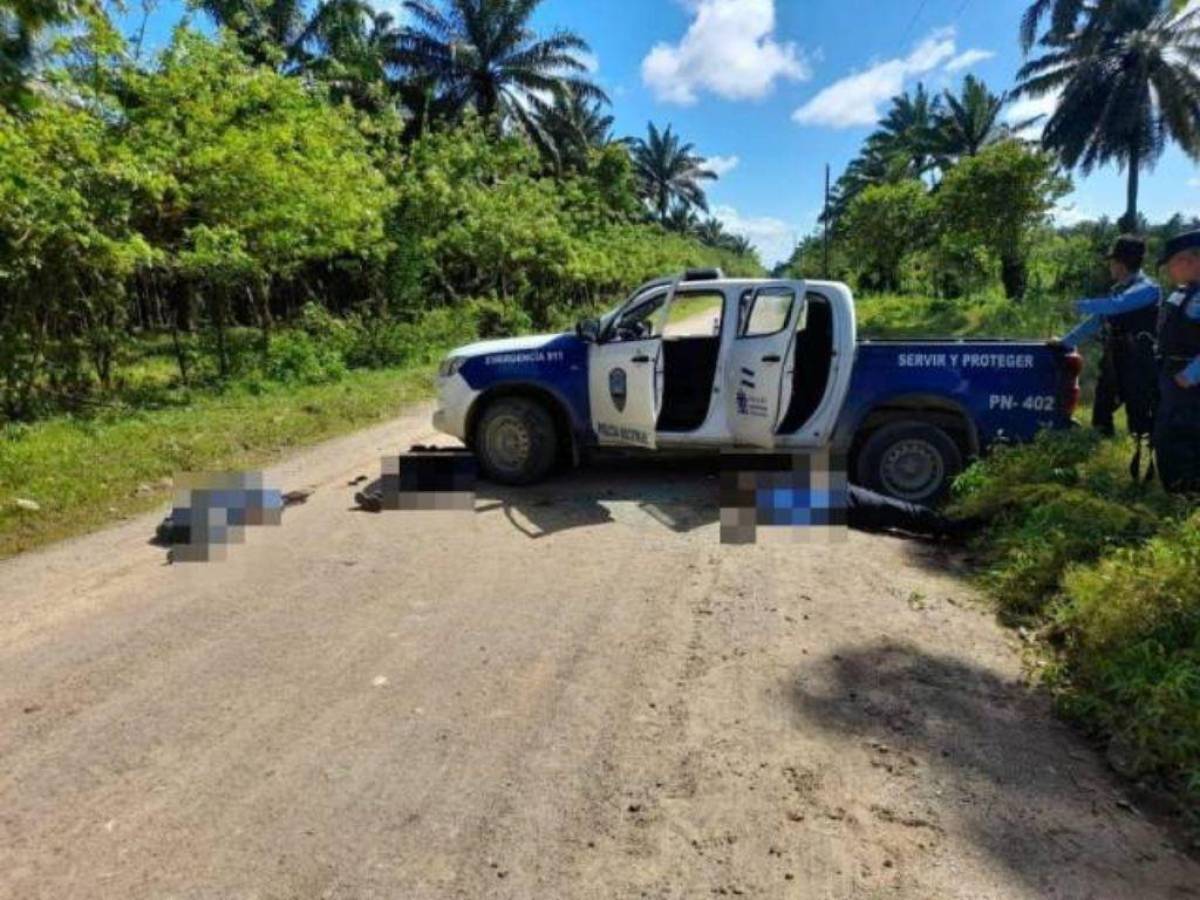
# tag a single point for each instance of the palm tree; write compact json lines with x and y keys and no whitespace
{"x":277,"y":32}
{"x":669,"y":171}
{"x":902,"y":147}
{"x":682,"y":219}
{"x":1129,"y":85}
{"x":971,"y":121}
{"x":906,"y":131}
{"x":712,"y":232}
{"x":570,"y":127}
{"x":354,"y":52}
{"x":739,"y":244}
{"x":483,"y":53}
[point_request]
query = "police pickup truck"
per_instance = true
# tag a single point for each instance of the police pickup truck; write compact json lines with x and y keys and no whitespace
{"x":705,"y":362}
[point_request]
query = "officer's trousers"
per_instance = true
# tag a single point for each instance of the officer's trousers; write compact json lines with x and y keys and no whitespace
{"x":1177,"y":436}
{"x":1108,"y":398}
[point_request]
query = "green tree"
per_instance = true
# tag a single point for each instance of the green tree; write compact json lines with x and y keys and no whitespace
{"x":1128,"y":82}
{"x":669,"y":172}
{"x":258,"y":174}
{"x":906,"y":132}
{"x":970,"y":121}
{"x":902,"y":148}
{"x":485,"y":54}
{"x":280,"y":32}
{"x":68,"y":188}
{"x":997,"y":200}
{"x":882,"y":225}
{"x":569,"y":128}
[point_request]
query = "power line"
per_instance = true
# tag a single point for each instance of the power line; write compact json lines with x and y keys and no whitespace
{"x":912,"y":24}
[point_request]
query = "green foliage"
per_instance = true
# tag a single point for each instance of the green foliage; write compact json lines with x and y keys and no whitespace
{"x":68,"y":244}
{"x":883,"y":224}
{"x":1108,"y":569}
{"x":1132,"y":627}
{"x":997,"y":200}
{"x":296,"y":358}
{"x":476,"y":217}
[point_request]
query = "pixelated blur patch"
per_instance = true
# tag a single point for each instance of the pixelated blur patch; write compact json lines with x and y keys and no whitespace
{"x":424,"y":478}
{"x":213,"y":510}
{"x":802,"y":494}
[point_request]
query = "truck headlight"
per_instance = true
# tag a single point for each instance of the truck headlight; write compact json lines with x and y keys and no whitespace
{"x":450,"y":365}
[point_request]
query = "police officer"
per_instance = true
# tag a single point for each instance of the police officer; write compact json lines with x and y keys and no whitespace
{"x":1126,"y":321}
{"x":1177,"y":424}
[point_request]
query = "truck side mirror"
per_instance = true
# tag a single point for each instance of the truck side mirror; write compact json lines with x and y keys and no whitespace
{"x":588,"y":330}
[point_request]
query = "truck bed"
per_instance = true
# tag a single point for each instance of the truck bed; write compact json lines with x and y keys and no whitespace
{"x":1008,"y":389}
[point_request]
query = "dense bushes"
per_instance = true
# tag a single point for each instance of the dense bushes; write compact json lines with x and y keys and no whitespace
{"x":207,"y":195}
{"x":1108,"y":573}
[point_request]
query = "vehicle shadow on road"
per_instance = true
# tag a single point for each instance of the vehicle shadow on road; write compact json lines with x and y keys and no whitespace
{"x":679,"y":494}
{"x":987,"y":754}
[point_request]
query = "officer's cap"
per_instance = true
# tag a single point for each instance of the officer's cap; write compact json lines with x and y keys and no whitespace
{"x":1128,"y":249}
{"x":1189,"y":240}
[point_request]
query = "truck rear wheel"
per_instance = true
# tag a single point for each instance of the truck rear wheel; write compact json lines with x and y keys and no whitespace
{"x":515,"y":441}
{"x":911,"y":461}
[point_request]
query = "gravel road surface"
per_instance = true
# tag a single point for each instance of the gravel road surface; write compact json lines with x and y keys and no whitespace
{"x":573,"y":692}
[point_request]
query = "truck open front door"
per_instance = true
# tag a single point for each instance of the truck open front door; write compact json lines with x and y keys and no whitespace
{"x":625,"y":374}
{"x":758,"y":370}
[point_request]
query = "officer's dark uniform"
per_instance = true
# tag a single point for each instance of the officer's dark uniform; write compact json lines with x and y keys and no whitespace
{"x":1127,"y":320}
{"x":1177,"y":425}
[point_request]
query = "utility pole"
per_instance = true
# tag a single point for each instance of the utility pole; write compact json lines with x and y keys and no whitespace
{"x":825,"y":221}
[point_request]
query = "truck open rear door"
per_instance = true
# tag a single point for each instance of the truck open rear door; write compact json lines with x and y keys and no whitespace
{"x":758,"y":371}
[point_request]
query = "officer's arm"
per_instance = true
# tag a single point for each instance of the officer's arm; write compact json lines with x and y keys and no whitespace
{"x":1190,"y":376}
{"x":1084,"y":331}
{"x":1134,"y":297}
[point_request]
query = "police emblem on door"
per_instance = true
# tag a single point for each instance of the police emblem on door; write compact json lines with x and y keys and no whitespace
{"x":617,"y":388}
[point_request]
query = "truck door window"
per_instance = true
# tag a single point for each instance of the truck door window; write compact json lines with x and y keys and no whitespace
{"x":641,"y":321}
{"x":694,"y":314}
{"x":765,"y":311}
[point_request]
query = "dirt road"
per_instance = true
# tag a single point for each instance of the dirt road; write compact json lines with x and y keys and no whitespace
{"x":573,"y":692}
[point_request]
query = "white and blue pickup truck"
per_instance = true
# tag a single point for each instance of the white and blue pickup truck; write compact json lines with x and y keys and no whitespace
{"x":704,"y":362}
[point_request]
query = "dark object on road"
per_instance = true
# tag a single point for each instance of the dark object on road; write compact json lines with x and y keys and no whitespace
{"x":293,"y":498}
{"x":423,"y":478}
{"x":867,"y":510}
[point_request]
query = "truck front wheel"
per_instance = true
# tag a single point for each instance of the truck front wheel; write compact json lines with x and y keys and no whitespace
{"x":515,"y":441}
{"x":910,"y":460}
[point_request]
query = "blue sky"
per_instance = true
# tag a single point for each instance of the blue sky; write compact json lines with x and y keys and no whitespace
{"x":774,"y":89}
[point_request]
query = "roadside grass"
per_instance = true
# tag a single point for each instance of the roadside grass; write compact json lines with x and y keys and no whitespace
{"x":1102,"y":573}
{"x":85,"y":472}
{"x":1105,"y":575}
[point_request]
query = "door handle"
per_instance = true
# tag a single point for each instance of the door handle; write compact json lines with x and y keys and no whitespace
{"x":771,"y":358}
{"x":640,"y":359}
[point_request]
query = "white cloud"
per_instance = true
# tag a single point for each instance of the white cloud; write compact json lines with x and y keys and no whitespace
{"x":1194,"y":182}
{"x":729,"y":50}
{"x":968,"y":58}
{"x":774,"y":239}
{"x":856,"y":99}
{"x":721,"y":165}
{"x":1027,"y":108}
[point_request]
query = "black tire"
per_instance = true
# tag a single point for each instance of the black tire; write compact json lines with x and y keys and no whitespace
{"x":516,"y":441}
{"x":909,"y":460}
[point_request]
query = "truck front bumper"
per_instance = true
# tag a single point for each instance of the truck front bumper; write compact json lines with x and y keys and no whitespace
{"x":454,"y":399}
